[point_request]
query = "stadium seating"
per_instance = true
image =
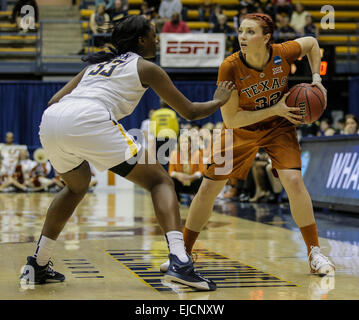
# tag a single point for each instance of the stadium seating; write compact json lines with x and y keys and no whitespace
{"x":15,"y":44}
{"x":345,"y":35}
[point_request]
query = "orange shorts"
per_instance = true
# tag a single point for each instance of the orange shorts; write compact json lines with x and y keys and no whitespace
{"x":234,"y":160}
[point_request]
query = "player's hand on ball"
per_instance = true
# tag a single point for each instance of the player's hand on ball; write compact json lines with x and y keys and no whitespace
{"x":322,"y":89}
{"x":224,"y":91}
{"x":293,"y":114}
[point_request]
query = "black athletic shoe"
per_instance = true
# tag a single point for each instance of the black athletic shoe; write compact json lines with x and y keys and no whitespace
{"x":185,"y":273}
{"x":35,"y":274}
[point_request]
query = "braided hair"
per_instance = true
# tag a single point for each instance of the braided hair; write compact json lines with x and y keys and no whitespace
{"x":124,"y":38}
{"x":266,"y":23}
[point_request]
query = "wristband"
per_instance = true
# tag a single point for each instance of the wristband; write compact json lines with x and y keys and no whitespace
{"x":316,"y":77}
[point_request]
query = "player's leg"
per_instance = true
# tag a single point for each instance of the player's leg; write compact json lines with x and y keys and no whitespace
{"x":302,"y":211}
{"x":199,"y":213}
{"x":63,"y":205}
{"x":156,"y":180}
{"x":283,"y":148}
{"x":201,"y":209}
{"x":60,"y":210}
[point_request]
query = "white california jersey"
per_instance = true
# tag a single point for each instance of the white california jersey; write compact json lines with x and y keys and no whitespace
{"x":114,"y":84}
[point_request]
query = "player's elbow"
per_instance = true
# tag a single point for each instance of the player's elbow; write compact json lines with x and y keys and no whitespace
{"x":189,"y":114}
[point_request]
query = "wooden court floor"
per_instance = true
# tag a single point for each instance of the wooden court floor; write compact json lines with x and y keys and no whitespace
{"x":112,"y":248}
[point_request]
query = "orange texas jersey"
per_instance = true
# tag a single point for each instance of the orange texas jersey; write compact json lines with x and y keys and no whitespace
{"x":261,"y":89}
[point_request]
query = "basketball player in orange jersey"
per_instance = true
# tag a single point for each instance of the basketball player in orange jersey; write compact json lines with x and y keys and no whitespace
{"x":259,"y":117}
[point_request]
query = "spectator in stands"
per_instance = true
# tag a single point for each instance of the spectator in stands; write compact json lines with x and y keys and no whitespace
{"x":250,"y":5}
{"x":117,"y":12}
{"x":325,"y":123}
{"x":175,"y":25}
{"x":100,"y":25}
{"x":310,"y":28}
{"x":169,"y":7}
{"x":154,"y":5}
{"x":330,"y":132}
{"x":109,"y":4}
{"x":351,"y":124}
{"x":222,"y":26}
{"x":204,"y":10}
{"x":298,"y":19}
{"x":164,"y":126}
{"x":267,"y":7}
{"x":308,"y":130}
{"x":237,"y":20}
{"x":213,"y":18}
{"x":10,"y":154}
{"x":148,"y":12}
{"x":186,"y":166}
{"x":9,"y":138}
{"x":28,"y":23}
{"x":286,"y":32}
{"x":166,"y":10}
{"x":340,"y":125}
{"x":12,"y":175}
{"x":38,"y":177}
{"x":283,"y":7}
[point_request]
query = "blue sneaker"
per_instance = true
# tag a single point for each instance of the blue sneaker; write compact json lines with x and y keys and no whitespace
{"x":185,"y":273}
{"x":35,"y":274}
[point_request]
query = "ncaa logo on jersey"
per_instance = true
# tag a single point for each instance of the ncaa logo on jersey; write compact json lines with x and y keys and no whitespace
{"x":277,"y":60}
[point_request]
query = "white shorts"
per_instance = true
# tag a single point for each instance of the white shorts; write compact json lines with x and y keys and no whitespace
{"x":73,"y":132}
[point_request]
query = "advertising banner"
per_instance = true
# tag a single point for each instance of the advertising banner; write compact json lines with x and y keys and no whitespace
{"x":188,"y":50}
{"x":330,"y":168}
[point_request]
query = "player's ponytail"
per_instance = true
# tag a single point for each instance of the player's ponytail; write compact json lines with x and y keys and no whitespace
{"x":100,"y":56}
{"x":124,"y":38}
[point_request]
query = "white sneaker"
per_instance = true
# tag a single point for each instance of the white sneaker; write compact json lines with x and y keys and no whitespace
{"x":164,"y":266}
{"x":319,"y":263}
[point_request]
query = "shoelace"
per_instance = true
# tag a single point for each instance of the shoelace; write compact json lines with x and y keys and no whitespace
{"x":318,"y":258}
{"x":49,"y":269}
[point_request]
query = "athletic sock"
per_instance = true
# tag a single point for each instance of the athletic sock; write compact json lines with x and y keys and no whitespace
{"x":190,"y":238}
{"x":43,"y":251}
{"x":310,"y":236}
{"x":176,"y":245}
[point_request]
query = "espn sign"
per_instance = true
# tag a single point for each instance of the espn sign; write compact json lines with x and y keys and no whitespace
{"x":193,"y":47}
{"x":192,"y":50}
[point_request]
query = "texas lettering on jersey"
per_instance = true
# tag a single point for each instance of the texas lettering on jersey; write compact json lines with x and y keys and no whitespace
{"x":259,"y":89}
{"x":264,"y":86}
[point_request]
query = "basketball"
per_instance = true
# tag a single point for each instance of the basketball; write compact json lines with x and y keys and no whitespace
{"x":305,"y":95}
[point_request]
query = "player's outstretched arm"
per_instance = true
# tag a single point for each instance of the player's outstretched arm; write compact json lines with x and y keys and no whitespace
{"x":155,"y":77}
{"x":310,"y":48}
{"x":71,"y":85}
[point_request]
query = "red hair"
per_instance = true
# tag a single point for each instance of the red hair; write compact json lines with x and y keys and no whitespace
{"x":266,"y":23}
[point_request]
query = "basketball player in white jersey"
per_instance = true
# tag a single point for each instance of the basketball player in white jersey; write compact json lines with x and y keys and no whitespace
{"x":80,"y":127}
